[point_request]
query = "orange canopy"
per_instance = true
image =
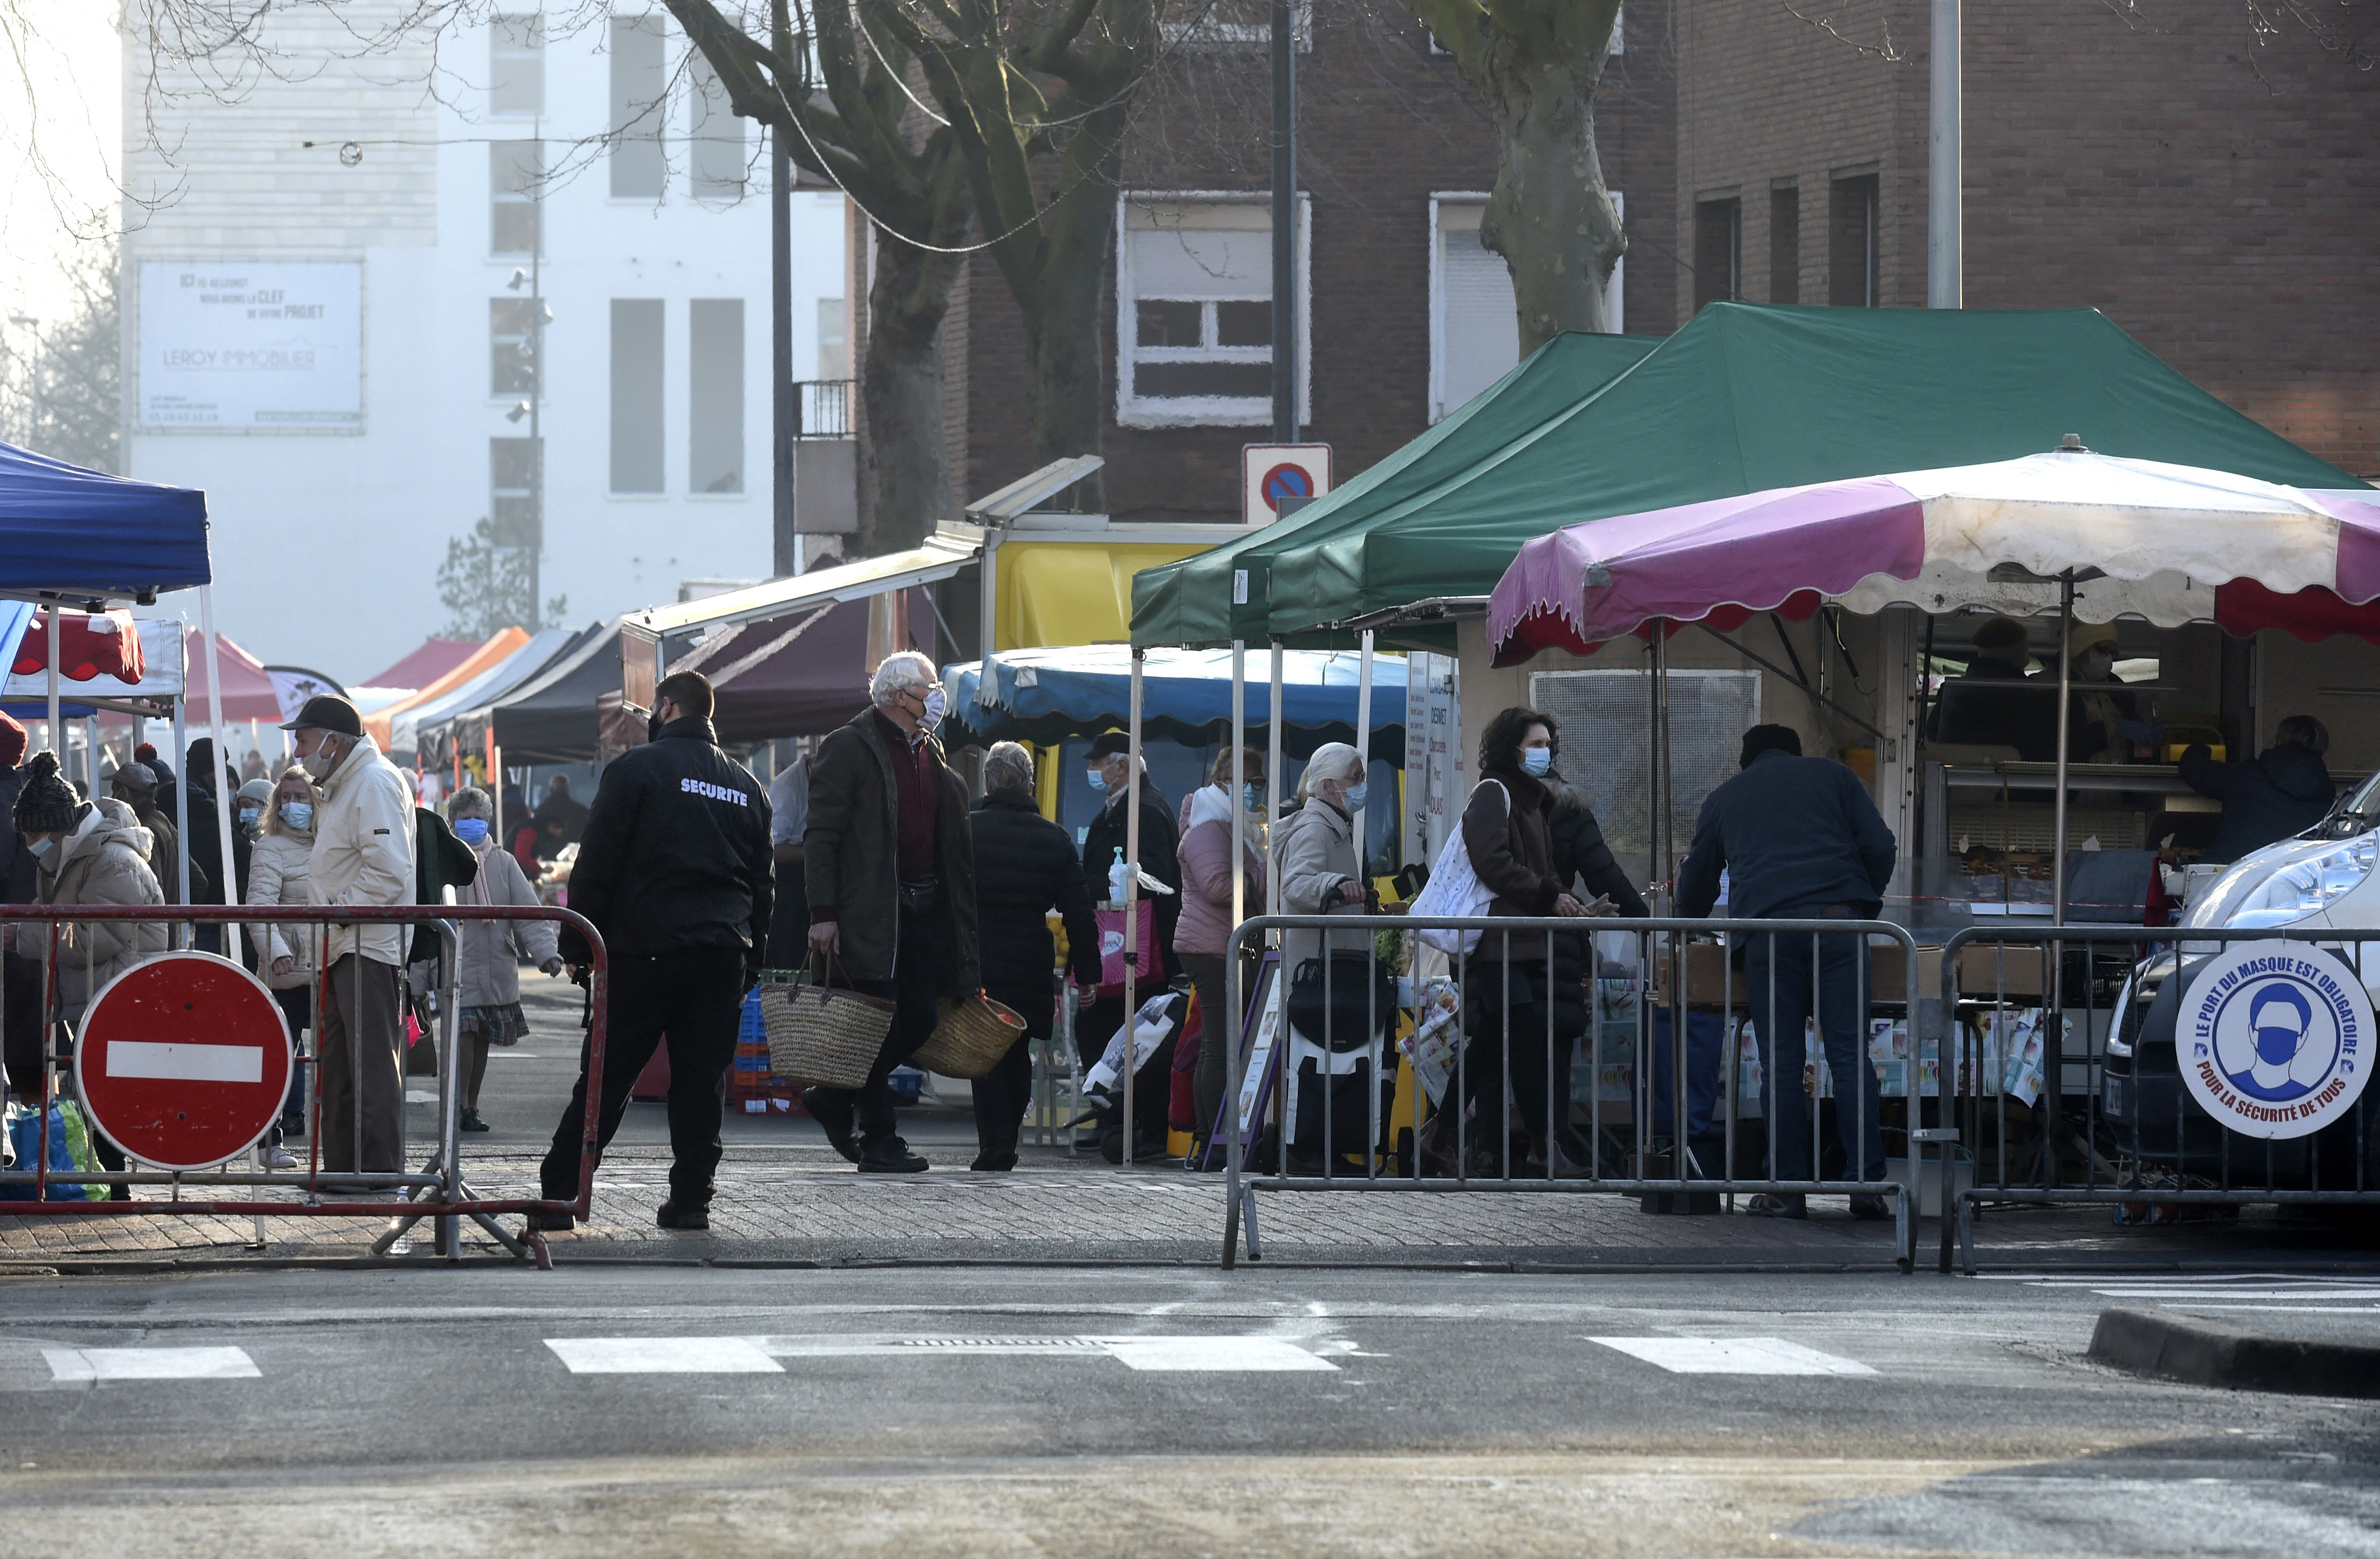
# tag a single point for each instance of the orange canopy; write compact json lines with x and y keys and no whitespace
{"x":379,"y":723}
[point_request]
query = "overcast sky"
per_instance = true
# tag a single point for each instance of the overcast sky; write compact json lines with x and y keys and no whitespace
{"x":59,"y":140}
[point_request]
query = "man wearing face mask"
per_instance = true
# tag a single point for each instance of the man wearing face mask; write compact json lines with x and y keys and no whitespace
{"x":890,"y":868}
{"x":362,"y":857}
{"x":674,"y":869}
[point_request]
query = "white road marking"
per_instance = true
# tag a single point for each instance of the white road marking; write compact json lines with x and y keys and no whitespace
{"x":1218,"y":1355}
{"x":150,"y":1364}
{"x":185,"y":1063}
{"x":663,"y":1356}
{"x":2144,"y":1292}
{"x":415,"y":1096}
{"x":1733,"y":1355}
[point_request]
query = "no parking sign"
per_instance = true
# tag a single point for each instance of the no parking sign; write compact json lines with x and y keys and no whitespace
{"x":1271,"y":472}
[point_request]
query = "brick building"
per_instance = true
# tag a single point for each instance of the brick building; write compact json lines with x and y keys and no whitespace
{"x":2213,"y":196}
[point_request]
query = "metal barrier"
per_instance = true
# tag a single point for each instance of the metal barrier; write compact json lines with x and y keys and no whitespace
{"x":437,"y":1190}
{"x":2109,"y":1086}
{"x":1636,"y":1165}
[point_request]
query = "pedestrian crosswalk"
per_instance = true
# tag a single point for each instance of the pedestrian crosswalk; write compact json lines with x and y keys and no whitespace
{"x":150,"y":1364}
{"x":1733,"y":1355}
{"x":2278,"y":1292}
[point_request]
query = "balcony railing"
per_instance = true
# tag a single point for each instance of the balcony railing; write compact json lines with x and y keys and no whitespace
{"x":823,"y":409}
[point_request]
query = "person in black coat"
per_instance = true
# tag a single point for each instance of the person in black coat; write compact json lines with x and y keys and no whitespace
{"x":1800,"y":839}
{"x":2286,"y":791}
{"x":1024,"y":867}
{"x":1580,"y":852}
{"x":1111,"y":774}
{"x":203,"y":838}
{"x":20,"y":1028}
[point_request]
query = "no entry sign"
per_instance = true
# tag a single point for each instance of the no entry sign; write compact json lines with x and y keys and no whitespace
{"x":183,"y":1060}
{"x":1271,"y":472}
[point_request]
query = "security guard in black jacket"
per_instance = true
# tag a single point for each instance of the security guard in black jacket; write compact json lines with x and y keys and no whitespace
{"x":674,"y":870}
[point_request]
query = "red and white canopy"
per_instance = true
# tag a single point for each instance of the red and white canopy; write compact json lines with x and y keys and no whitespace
{"x":2168,"y":543}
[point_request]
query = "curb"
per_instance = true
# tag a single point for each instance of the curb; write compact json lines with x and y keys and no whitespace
{"x":2208,"y":1352}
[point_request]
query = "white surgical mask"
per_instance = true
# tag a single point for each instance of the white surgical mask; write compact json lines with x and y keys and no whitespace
{"x":321,"y":761}
{"x":40,"y":847}
{"x":936,"y":706}
{"x":1537,"y":761}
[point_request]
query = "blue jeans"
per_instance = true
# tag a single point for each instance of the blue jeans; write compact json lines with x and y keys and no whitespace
{"x":1839,"y":982}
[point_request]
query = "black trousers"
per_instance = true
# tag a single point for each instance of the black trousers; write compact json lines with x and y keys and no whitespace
{"x":695,"y":997}
{"x":21,"y":989}
{"x":913,"y":991}
{"x":1003,"y":1094}
{"x":1544,"y":1109}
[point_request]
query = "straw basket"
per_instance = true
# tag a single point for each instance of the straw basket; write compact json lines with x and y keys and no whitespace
{"x":975,"y":1032}
{"x":817,"y":1034}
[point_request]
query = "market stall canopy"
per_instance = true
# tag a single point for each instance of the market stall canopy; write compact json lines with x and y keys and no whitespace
{"x":1204,"y":600}
{"x":945,"y":552}
{"x":90,"y":645}
{"x":2172,"y":544}
{"x":551,"y":718}
{"x":1749,"y":397}
{"x":248,"y":691}
{"x":72,"y":532}
{"x":421,"y":728}
{"x":798,"y":675}
{"x":1046,"y":695}
{"x":433,"y":659}
{"x":25,"y":694}
{"x":380,"y":724}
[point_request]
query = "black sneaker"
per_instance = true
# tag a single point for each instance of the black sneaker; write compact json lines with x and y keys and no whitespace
{"x":673,"y":1216}
{"x":471,"y":1122}
{"x":1766,"y":1206}
{"x":889,"y":1155}
{"x":834,"y":1118}
{"x":1870,"y":1209}
{"x":548,"y":1222}
{"x":993,"y":1164}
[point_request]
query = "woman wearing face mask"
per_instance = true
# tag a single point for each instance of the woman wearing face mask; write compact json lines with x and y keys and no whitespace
{"x":1513,"y":977}
{"x":490,"y":949}
{"x":1205,"y":929}
{"x":1321,"y":873}
{"x":288,"y":957}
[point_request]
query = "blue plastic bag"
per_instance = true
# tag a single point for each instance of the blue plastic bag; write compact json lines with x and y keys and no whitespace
{"x":25,"y":1137}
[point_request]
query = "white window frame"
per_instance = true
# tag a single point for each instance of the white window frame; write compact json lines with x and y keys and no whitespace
{"x":1207,"y":34}
{"x":1615,"y":293}
{"x":1206,"y":411}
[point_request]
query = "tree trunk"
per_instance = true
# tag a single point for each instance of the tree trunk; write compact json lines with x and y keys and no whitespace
{"x":1550,"y":216}
{"x":901,"y":387}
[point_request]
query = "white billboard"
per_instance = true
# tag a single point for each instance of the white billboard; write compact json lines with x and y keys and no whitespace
{"x":277,"y":347}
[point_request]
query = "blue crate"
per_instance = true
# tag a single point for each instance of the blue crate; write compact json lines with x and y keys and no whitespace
{"x":906,"y":1083}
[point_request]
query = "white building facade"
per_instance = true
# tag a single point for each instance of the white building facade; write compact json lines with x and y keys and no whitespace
{"x":334,"y":320}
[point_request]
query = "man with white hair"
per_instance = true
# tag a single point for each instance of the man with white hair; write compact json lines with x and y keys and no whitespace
{"x":890,"y":865}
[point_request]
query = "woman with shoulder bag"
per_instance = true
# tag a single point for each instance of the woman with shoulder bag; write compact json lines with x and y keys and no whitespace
{"x":1515,"y":977}
{"x":287,"y":957}
{"x":488,"y":978}
{"x":1332,"y":1001}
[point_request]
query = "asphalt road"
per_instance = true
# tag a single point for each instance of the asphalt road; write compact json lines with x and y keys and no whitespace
{"x":599,"y":1410}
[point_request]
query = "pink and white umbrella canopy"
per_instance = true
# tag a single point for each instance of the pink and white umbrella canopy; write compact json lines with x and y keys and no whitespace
{"x":2168,"y":543}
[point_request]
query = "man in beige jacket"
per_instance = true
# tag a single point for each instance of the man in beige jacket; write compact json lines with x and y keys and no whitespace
{"x":362,"y":857}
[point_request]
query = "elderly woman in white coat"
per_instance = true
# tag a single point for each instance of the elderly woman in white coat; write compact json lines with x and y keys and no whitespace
{"x":490,"y":975}
{"x":288,"y":954}
{"x":1315,"y":857}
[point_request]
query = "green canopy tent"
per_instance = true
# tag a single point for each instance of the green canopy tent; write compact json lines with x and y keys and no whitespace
{"x":1197,"y":604}
{"x":1750,"y":397}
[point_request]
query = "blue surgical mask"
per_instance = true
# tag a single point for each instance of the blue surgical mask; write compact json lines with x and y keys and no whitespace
{"x":1099,"y":778}
{"x":1356,"y":794}
{"x":1536,"y":761}
{"x":1252,"y":796}
{"x":298,"y":815}
{"x":40,"y":847}
{"x":471,"y":831}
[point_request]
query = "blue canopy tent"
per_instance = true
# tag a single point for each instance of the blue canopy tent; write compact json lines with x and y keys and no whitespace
{"x":72,"y":537}
{"x":1046,"y":695}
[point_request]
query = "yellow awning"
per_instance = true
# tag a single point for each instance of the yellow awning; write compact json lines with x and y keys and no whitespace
{"x":1073,"y":592}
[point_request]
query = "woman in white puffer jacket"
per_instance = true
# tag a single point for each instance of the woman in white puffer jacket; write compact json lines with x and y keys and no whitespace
{"x":288,"y":957}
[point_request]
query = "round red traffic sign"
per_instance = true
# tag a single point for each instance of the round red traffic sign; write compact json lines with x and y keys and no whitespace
{"x":1287,"y":480}
{"x":183,"y":1060}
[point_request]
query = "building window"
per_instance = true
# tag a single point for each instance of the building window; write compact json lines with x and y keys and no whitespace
{"x":720,"y":162}
{"x":511,"y":346}
{"x":637,"y":395}
{"x":516,"y":66}
{"x":714,"y":363}
{"x":1475,"y":329}
{"x":1194,"y":311}
{"x":1852,"y":269}
{"x":512,"y":490}
{"x":515,"y":168}
{"x":1719,"y":249}
{"x":640,"y":81}
{"x":834,"y":340}
{"x":1785,"y":245}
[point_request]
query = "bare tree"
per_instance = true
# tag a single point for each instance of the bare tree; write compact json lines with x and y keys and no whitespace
{"x":839,"y":98}
{"x":59,"y":377}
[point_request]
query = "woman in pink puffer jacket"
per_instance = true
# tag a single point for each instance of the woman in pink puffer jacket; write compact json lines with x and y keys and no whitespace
{"x":1206,"y":926}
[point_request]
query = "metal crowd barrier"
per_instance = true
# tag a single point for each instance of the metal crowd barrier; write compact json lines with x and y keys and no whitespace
{"x":2109,"y":1119}
{"x":437,"y":1191}
{"x":1700,"y":973}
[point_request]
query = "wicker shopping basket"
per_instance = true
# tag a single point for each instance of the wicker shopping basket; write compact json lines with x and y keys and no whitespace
{"x":974,"y":1033}
{"x":819,"y":1034}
